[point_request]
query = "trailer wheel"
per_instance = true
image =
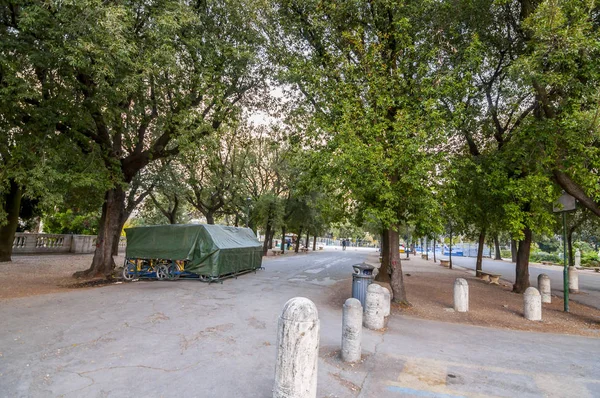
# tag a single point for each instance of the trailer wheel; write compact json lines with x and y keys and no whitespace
{"x":162,"y":272}
{"x":173,"y":272}
{"x":129,"y":272}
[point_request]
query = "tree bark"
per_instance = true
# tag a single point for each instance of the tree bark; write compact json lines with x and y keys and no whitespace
{"x":513,"y":250}
{"x":497,"y":254}
{"x":210,"y":217}
{"x":314,"y":242}
{"x":12,"y":206}
{"x":268,"y":233}
{"x":110,"y":221}
{"x":267,"y":238}
{"x":298,"y":238}
{"x":450,"y":251}
{"x":434,"y":259}
{"x":478,"y":263}
{"x":397,"y":278}
{"x":283,"y":240}
{"x":522,"y":268}
{"x":307,"y":237}
{"x":570,"y":246}
{"x":385,"y":268}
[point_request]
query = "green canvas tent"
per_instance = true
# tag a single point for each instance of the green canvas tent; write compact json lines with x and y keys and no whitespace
{"x":209,"y":250}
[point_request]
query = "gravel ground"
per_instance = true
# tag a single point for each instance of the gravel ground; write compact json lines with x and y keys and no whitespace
{"x":430,"y":291}
{"x":32,"y":275}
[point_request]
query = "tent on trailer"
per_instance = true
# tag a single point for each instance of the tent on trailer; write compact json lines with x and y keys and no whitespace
{"x":208,"y":250}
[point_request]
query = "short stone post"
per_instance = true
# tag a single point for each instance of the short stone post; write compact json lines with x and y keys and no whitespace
{"x":352,"y":317}
{"x":461,"y":295}
{"x":374,"y":318}
{"x":532,"y":304}
{"x":577,"y":258}
{"x":387,"y":298}
{"x":573,"y":280}
{"x":544,"y":285}
{"x":297,"y":350}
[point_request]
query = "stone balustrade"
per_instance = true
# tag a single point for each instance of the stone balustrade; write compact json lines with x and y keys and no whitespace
{"x":31,"y":243}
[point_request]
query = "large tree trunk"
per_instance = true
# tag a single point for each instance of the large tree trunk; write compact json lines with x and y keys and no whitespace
{"x":513,"y":250}
{"x":384,"y":269}
{"x":282,"y":240}
{"x":307,"y":237}
{"x":314,"y":242}
{"x":110,"y":222}
{"x":397,"y":279}
{"x":522,"y":268}
{"x":570,"y":246}
{"x":210,"y":217}
{"x":298,"y":239}
{"x":12,"y":206}
{"x":434,"y":259}
{"x":498,"y":254}
{"x":122,"y":219}
{"x":450,"y":251}
{"x":478,"y":263}
{"x":267,"y":239}
{"x":268,"y":235}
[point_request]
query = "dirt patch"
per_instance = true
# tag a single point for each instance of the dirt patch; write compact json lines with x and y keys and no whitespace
{"x":33,"y":275}
{"x":430,"y":291}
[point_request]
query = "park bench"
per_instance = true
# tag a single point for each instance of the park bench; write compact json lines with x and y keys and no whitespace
{"x":304,"y":249}
{"x":277,"y":252}
{"x":424,"y":256}
{"x":493,"y":279}
{"x":445,"y":263}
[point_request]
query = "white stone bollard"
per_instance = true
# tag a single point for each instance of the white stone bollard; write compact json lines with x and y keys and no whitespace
{"x":461,"y":295}
{"x":573,"y":280}
{"x":352,"y":317}
{"x":532,"y":304}
{"x":387,"y":299}
{"x":577,"y":258}
{"x":544,"y":286}
{"x":374,"y":318}
{"x":297,"y":350}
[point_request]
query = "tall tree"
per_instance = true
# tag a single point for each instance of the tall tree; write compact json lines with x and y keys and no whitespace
{"x":360,"y":67}
{"x":137,"y":81}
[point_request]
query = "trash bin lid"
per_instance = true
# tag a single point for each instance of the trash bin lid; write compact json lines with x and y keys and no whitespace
{"x":363,"y":268}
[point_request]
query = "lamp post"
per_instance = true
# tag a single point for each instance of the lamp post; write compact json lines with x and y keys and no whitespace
{"x":564,"y":204}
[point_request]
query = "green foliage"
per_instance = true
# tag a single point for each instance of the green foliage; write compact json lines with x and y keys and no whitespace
{"x":540,"y":256}
{"x":71,"y":222}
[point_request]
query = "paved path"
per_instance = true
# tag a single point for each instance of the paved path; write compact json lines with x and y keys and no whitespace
{"x":589,"y":281}
{"x":190,"y":339}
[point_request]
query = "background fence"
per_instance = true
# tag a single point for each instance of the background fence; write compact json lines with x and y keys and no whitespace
{"x":28,"y":243}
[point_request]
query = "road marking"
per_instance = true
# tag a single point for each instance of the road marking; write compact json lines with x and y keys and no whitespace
{"x":314,"y":270}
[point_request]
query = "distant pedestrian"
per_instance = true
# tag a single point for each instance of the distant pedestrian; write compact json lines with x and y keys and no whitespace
{"x":343,"y":244}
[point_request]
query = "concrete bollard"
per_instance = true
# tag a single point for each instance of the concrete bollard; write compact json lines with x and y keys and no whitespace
{"x":352,"y":317}
{"x":573,"y":280}
{"x":461,"y":295}
{"x":544,"y":286}
{"x":577,"y":258}
{"x":374,"y":318}
{"x":297,"y":350}
{"x":532,"y":304}
{"x":387,"y":299}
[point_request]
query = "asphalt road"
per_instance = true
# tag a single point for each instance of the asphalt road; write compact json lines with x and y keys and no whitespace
{"x":589,"y":281}
{"x":192,"y":339}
